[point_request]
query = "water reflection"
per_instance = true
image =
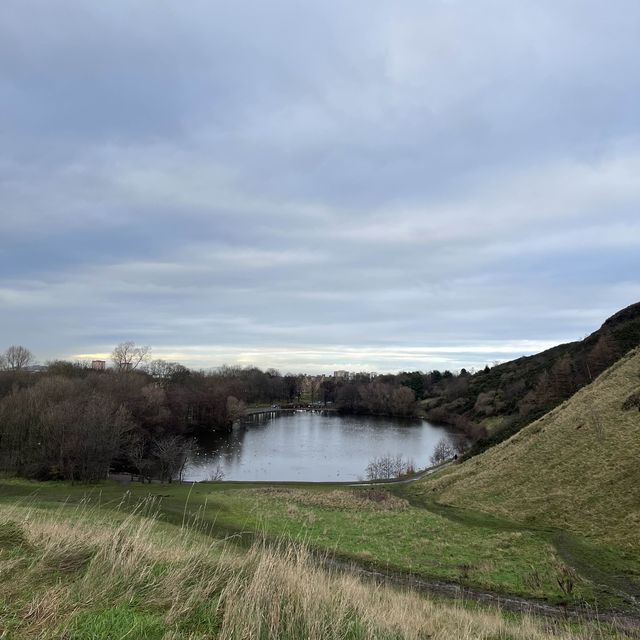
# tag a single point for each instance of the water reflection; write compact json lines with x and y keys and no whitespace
{"x":307,"y":446}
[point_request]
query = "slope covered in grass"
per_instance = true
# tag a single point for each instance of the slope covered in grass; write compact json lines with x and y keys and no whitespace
{"x":507,"y":397}
{"x":576,"y":468}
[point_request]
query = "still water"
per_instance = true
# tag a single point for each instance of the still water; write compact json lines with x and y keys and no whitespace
{"x":305,"y":446}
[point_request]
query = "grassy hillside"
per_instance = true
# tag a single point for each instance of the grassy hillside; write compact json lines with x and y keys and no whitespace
{"x":86,"y":574}
{"x":509,"y":396}
{"x":553,"y":513}
{"x":576,"y":468}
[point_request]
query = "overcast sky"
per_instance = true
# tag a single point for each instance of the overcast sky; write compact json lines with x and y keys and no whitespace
{"x":317,"y":185}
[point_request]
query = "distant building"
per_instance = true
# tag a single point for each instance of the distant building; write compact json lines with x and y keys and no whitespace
{"x":341,"y":374}
{"x":35,"y":368}
{"x":98,"y":365}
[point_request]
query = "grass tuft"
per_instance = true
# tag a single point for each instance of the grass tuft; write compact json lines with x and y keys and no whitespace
{"x":12,"y":535}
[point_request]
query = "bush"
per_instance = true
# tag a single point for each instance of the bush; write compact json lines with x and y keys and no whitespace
{"x":387,"y":467}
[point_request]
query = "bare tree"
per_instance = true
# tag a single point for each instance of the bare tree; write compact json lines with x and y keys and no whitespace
{"x":138,"y":455}
{"x":236,"y":409}
{"x":127,"y":357}
{"x":16,"y":357}
{"x":171,"y":454}
{"x":377,"y":398}
{"x":58,"y":428}
{"x":216,"y":474}
{"x":311,"y":386}
{"x":163,"y":371}
{"x":442,"y":452}
{"x":389,"y":466}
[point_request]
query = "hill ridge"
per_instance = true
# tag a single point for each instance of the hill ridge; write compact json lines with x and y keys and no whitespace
{"x":507,"y":397}
{"x":575,"y":468}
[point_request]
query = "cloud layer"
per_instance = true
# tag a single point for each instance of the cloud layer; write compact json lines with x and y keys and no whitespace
{"x":317,"y":185}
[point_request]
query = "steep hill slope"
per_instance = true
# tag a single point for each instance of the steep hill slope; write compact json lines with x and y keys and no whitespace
{"x":509,"y":396}
{"x":577,"y":468}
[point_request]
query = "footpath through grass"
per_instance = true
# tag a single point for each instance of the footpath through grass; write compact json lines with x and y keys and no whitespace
{"x":396,"y":531}
{"x":82,"y":572}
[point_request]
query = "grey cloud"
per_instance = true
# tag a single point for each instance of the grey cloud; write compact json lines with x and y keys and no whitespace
{"x":314,"y":184}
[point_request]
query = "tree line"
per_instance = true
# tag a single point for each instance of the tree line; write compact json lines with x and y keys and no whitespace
{"x":70,"y":421}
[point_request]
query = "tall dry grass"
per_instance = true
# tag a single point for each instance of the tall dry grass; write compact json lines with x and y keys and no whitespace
{"x":576,"y":468}
{"x":75,"y":574}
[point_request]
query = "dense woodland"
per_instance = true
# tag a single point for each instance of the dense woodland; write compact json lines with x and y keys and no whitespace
{"x":69,"y":421}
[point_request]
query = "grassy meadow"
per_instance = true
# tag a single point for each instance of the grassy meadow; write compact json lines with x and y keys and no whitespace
{"x":80,"y":572}
{"x":391,"y":529}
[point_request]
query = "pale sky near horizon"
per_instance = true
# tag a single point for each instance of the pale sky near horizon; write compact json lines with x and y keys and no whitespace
{"x":314,"y":186}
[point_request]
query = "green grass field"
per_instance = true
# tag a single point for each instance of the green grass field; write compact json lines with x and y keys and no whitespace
{"x":83,"y":570}
{"x":396,"y":531}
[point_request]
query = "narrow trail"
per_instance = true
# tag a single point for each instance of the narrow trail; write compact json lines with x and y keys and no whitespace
{"x":569,"y":552}
{"x":627,"y":622}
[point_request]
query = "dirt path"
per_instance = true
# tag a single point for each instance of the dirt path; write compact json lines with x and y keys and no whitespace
{"x":626,"y":622}
{"x":568,"y":548}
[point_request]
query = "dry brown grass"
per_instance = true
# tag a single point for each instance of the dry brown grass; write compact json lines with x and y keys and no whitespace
{"x":367,"y":499}
{"x":576,"y":468}
{"x":70,"y":568}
